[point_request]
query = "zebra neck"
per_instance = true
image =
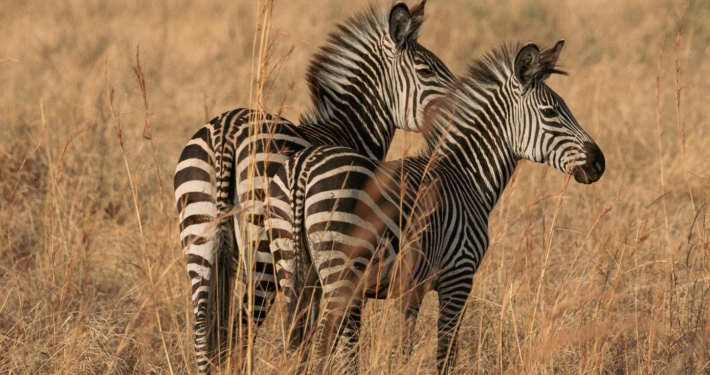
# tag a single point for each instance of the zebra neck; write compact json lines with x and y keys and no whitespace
{"x":351,"y":88}
{"x":482,"y":172}
{"x":474,"y":146}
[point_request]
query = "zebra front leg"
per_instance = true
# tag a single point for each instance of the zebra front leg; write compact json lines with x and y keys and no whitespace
{"x":451,"y":309}
{"x":409,"y":306}
{"x":410,"y":336}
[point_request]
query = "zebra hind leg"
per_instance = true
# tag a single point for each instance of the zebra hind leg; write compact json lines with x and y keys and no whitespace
{"x":345,"y":347}
{"x":335,"y":343}
{"x":257,"y":304}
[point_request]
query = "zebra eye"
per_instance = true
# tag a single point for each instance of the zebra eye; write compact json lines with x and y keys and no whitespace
{"x":549,"y":112}
{"x":425,"y":73}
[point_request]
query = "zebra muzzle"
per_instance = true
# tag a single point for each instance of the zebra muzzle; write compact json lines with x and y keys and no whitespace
{"x":593,"y":169}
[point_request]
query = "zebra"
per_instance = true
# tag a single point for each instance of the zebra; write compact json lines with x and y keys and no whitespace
{"x":402,"y":228}
{"x":370,"y":78}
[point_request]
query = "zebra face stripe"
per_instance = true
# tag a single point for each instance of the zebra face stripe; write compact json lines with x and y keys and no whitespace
{"x":549,"y":134}
{"x":420,"y":79}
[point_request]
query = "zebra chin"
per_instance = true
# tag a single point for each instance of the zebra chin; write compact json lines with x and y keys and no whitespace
{"x":593,"y":169}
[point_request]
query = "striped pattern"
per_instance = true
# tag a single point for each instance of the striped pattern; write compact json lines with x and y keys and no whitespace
{"x":370,"y":79}
{"x":400,"y":229}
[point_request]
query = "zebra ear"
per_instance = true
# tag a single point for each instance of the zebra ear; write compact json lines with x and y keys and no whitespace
{"x":555,"y":52}
{"x":548,"y":61}
{"x":526,"y":63}
{"x":405,"y":25}
{"x":417,"y":20}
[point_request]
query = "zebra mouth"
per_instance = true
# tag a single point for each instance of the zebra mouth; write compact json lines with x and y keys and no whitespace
{"x":584,"y":177}
{"x":594,"y":168}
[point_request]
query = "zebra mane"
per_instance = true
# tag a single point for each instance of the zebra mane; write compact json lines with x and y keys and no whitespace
{"x":484,"y":74}
{"x":494,"y":69}
{"x":325,"y":72}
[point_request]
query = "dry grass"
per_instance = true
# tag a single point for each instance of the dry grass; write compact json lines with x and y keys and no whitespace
{"x":608,"y":278}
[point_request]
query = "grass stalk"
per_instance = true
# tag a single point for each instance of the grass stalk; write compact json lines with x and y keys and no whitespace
{"x":678,"y":89}
{"x":148,"y":271}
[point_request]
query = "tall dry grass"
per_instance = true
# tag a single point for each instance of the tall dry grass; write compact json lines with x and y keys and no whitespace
{"x":607,"y":278}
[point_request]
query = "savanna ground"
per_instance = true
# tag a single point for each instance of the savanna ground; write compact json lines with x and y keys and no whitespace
{"x":607,"y":278}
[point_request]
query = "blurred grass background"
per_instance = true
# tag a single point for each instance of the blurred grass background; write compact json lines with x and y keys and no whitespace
{"x":607,"y":278}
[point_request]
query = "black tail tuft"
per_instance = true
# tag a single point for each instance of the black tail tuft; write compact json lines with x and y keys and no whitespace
{"x":220,"y":293}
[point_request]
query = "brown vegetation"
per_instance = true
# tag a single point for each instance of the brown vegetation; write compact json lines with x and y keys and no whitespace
{"x":607,"y":278}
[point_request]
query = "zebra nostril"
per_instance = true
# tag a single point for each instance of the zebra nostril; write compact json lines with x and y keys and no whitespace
{"x":594,"y":167}
{"x":595,"y":157}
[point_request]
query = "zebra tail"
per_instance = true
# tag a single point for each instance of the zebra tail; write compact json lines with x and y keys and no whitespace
{"x":297,"y":277}
{"x":222,"y":274}
{"x":224,"y":267}
{"x":305,"y":283}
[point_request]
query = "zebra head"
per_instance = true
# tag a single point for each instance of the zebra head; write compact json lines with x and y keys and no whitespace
{"x":372,"y":77}
{"x":544,"y":130}
{"x":418,"y":77}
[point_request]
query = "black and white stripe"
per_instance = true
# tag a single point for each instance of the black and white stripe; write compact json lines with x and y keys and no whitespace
{"x":399,"y":229}
{"x":371,"y":78}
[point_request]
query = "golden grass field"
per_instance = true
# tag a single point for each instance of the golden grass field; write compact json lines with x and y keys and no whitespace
{"x":610,"y":278}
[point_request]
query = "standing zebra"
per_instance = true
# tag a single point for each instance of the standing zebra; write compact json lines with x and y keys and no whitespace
{"x":399,"y":229}
{"x":371,"y":78}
